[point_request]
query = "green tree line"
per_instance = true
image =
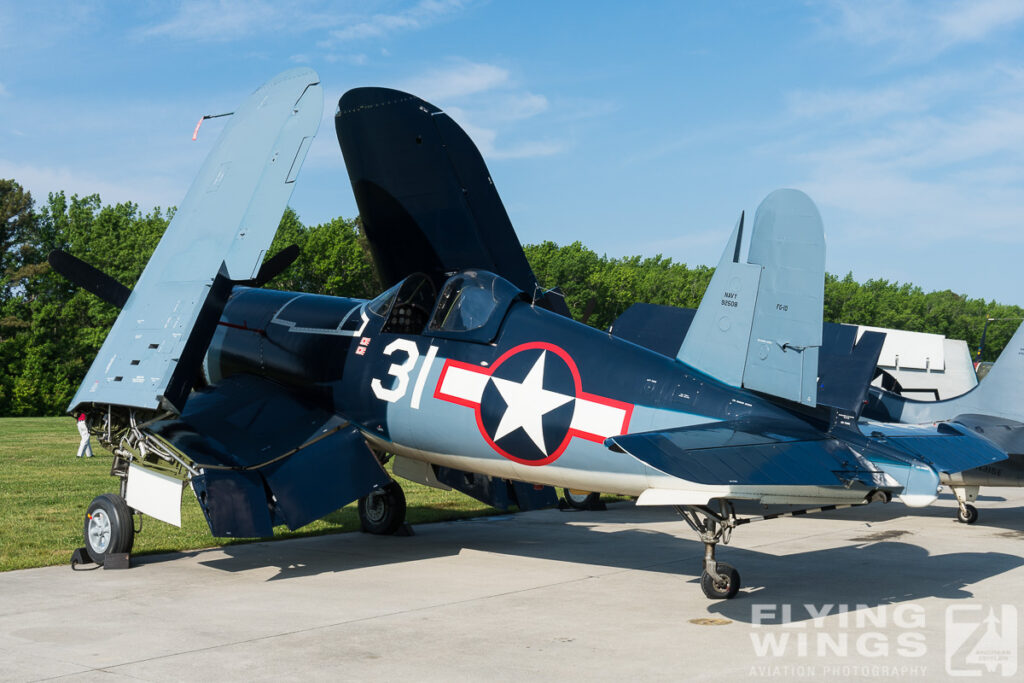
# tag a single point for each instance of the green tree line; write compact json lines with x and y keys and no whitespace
{"x":50,"y":331}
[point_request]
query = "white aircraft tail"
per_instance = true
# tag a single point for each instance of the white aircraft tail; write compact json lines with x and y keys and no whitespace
{"x":999,"y":394}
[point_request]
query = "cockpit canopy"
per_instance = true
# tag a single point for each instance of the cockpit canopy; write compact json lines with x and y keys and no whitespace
{"x":470,"y":307}
{"x":406,"y":306}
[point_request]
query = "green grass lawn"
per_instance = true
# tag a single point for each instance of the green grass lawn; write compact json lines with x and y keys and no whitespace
{"x":45,"y":491}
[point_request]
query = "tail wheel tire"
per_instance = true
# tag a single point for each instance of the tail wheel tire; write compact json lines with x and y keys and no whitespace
{"x":108,"y":527}
{"x":580,"y":500}
{"x":383,"y":510}
{"x":968,"y":514}
{"x":724,"y":590}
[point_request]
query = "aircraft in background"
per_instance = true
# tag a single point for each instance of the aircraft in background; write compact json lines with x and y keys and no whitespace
{"x":280,"y":407}
{"x":992,"y":409}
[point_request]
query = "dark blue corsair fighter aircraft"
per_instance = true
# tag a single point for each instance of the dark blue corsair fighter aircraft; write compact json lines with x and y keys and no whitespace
{"x":280,"y":407}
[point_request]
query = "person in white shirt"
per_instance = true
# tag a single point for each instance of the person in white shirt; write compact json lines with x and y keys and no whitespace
{"x":84,"y":448}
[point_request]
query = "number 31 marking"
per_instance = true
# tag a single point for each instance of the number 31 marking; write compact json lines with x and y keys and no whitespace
{"x":401,"y":372}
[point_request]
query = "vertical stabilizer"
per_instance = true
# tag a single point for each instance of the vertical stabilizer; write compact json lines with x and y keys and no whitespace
{"x":716,"y":342}
{"x":1002,"y":389}
{"x":788,"y":241}
{"x":759,"y":323}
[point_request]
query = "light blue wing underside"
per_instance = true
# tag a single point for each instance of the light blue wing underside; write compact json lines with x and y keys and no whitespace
{"x":220,"y":232}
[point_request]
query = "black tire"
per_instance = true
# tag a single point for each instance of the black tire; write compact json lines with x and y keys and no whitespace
{"x":585,"y":501}
{"x":718,"y":592}
{"x":383,"y":510}
{"x":108,"y":527}
{"x":968,"y":515}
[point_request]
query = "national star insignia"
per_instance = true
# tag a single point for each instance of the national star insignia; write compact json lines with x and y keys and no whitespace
{"x":528,"y":401}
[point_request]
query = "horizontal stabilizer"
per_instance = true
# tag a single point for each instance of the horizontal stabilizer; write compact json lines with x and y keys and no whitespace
{"x":915,"y":455}
{"x":250,"y":436}
{"x":219,"y":235}
{"x":948,"y":447}
{"x":752,"y":453}
{"x":89,"y":278}
{"x":846,"y":366}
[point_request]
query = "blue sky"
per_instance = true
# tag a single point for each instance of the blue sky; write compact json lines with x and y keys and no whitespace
{"x":636,"y":128}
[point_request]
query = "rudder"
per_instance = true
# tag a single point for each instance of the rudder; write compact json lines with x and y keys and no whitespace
{"x":759,"y":323}
{"x":788,"y":241}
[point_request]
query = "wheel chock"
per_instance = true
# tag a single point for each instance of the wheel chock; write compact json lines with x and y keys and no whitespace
{"x":117,"y":561}
{"x":80,"y":556}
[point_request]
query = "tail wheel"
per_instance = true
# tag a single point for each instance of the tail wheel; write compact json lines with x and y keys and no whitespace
{"x":383,"y":510}
{"x":968,"y":514}
{"x":108,"y":527}
{"x":722,"y":590}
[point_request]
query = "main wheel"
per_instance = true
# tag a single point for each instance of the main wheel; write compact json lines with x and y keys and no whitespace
{"x":721,"y":591}
{"x":383,"y":510}
{"x":968,"y":514}
{"x":581,"y":500}
{"x":108,"y":527}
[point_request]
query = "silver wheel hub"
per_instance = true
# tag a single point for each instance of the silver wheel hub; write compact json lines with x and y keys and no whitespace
{"x":99,"y":531}
{"x":376,"y":506}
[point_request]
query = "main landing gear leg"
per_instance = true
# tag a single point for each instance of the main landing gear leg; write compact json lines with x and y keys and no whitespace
{"x":965,"y":495}
{"x":718,"y":580}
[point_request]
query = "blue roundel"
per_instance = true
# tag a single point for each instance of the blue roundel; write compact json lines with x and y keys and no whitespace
{"x":528,"y":403}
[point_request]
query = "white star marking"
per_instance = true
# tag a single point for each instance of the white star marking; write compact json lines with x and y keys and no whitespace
{"x":528,"y":402}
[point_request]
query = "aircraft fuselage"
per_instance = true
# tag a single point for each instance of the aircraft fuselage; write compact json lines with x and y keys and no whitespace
{"x":535,"y":403}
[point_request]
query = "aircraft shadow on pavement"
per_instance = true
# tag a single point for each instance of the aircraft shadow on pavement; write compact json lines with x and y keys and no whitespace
{"x":875,"y":567}
{"x":880,"y":566}
{"x":870,"y":573}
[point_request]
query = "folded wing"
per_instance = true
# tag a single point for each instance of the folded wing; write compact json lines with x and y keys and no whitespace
{"x":219,"y":234}
{"x":426,"y":199}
